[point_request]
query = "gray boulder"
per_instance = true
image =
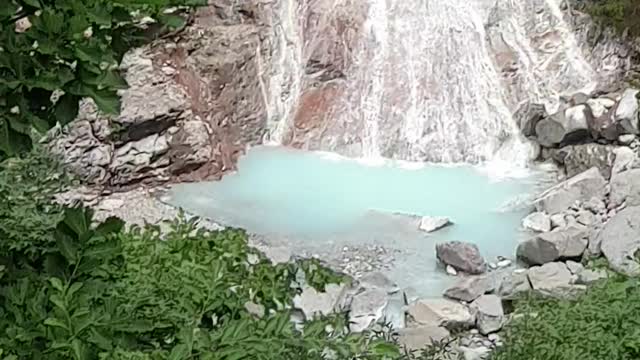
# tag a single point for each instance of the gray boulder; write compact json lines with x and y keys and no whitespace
{"x":313,"y":302}
{"x":462,"y":256}
{"x":366,"y":308}
{"x":514,"y":284}
{"x":625,"y":187}
{"x":626,"y":159}
{"x":581,"y":187}
{"x":489,"y":313}
{"x":579,"y":158}
{"x":417,"y":338}
{"x":441,"y":312}
{"x":569,"y":242}
{"x":554,"y":280}
{"x":537,"y":221}
{"x":620,"y":241}
{"x":626,"y":114}
{"x":469,"y":288}
{"x":568,"y":125}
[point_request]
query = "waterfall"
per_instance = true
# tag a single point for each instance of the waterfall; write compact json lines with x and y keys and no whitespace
{"x":438,"y":81}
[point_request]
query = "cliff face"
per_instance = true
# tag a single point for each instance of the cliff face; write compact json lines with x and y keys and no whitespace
{"x":249,"y":71}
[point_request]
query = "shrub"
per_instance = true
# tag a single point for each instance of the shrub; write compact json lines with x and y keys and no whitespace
{"x":602,"y":324}
{"x":621,"y":14}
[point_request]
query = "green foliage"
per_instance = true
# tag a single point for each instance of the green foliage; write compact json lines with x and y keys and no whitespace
{"x":28,"y":215}
{"x":621,"y":14}
{"x":55,"y":52}
{"x":602,"y":324}
{"x":106,"y":293}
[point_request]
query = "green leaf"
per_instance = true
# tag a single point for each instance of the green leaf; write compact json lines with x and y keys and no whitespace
{"x":56,"y":323}
{"x":66,"y":246}
{"x":11,"y":141}
{"x":100,"y":340}
{"x":66,"y":109}
{"x":110,"y":226}
{"x":179,"y":352}
{"x":53,"y":21}
{"x":7,"y":9}
{"x":173,"y":21}
{"x":107,"y":101}
{"x":33,"y":3}
{"x":78,"y":219}
{"x":57,"y":284}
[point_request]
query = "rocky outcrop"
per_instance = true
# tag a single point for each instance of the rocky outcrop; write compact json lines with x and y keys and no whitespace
{"x":462,"y":256}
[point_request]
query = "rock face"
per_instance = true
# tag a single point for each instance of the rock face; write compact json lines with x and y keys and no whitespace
{"x":462,"y":256}
{"x":433,"y":223}
{"x":620,"y":241}
{"x":569,"y":242}
{"x":489,"y":313}
{"x":554,"y":280}
{"x":581,"y":187}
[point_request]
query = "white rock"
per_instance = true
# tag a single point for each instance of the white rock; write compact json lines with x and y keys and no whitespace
{"x":627,"y":112}
{"x":626,"y":139}
{"x":433,"y":223}
{"x":313,"y":302}
{"x":451,"y":270}
{"x":537,"y":221}
{"x":469,"y":288}
{"x":554,"y":280}
{"x":366,"y":308}
{"x":418,"y":338}
{"x":504,"y":263}
{"x":574,"y":267}
{"x":581,"y":187}
{"x":558,"y":220}
{"x":620,"y":241}
{"x":477,"y":353}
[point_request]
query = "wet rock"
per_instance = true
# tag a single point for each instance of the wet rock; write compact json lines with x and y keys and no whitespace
{"x":441,"y":312}
{"x":625,"y":188}
{"x":313,"y":302}
{"x":417,"y":338}
{"x":560,"y":243}
{"x":462,"y":256}
{"x":626,"y":114}
{"x":537,"y":221}
{"x":469,"y":288}
{"x":554,"y":280}
{"x":433,"y":223}
{"x":489,"y":313}
{"x":581,"y":187}
{"x":620,"y":241}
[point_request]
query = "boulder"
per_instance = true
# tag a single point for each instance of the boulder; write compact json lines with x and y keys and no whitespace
{"x":394,"y":311}
{"x":563,"y":126}
{"x":433,"y":223}
{"x":462,"y":256}
{"x":595,"y":205}
{"x":574,"y":267}
{"x":366,"y":308}
{"x":625,"y":188}
{"x":469,"y":288}
{"x":568,"y":242}
{"x":489,"y":313}
{"x":581,"y":187}
{"x":586,"y":218}
{"x":620,"y":241}
{"x":537,"y":221}
{"x":626,"y":159}
{"x":441,"y":312}
{"x":579,"y":158}
{"x":590,"y":276}
{"x":554,"y":280}
{"x":558,"y":220}
{"x":417,"y":338}
{"x":626,"y":114}
{"x":598,"y":106}
{"x":313,"y":302}
{"x":626,"y":139}
{"x":377,"y":280}
{"x":514,"y":284}
{"x":527,"y":117}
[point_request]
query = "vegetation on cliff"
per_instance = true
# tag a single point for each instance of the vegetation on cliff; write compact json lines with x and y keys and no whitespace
{"x":621,"y":14}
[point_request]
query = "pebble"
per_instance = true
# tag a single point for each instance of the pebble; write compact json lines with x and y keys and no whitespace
{"x":451,"y":271}
{"x":504,"y":263}
{"x":493,"y":265}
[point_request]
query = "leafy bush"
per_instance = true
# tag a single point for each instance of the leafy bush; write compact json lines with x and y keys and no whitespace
{"x":55,"y":52}
{"x":106,"y":293}
{"x":28,"y":215}
{"x":602,"y":324}
{"x":621,"y":14}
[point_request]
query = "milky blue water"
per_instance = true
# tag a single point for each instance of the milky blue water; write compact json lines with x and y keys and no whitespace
{"x":323,"y":203}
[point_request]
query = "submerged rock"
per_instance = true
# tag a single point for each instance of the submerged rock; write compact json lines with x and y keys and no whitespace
{"x":581,"y":187}
{"x":462,"y":256}
{"x":489,"y":313}
{"x":620,"y":241}
{"x":433,"y":223}
{"x":377,"y":280}
{"x":569,"y":242}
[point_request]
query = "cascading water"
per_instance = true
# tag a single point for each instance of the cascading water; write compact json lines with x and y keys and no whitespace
{"x":439,"y":80}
